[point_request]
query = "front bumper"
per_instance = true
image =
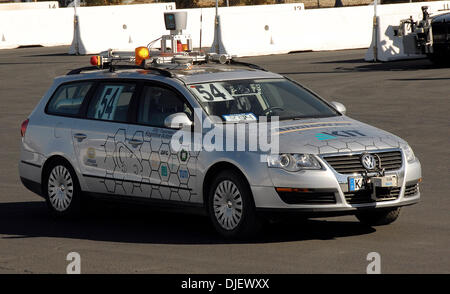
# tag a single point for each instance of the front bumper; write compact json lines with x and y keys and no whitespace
{"x":267,"y":198}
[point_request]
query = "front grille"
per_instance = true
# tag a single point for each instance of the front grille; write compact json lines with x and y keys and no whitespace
{"x":349,"y":164}
{"x":365,"y":196}
{"x":411,"y":190}
{"x":308,"y":197}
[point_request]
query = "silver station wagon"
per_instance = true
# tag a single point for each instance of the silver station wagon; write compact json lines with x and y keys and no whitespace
{"x":184,"y":136}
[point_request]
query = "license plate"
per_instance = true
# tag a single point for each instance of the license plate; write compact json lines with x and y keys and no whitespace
{"x":355,"y":183}
{"x":386,"y":181}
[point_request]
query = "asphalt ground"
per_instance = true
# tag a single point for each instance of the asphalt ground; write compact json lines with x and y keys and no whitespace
{"x":408,"y":98}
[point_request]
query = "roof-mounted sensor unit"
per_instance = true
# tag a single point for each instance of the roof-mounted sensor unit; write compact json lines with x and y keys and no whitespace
{"x":175,"y":21}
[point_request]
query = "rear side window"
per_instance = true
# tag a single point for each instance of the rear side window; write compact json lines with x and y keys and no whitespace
{"x":68,"y":98}
{"x":111,"y":102}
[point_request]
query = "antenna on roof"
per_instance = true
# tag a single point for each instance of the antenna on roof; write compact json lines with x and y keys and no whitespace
{"x":217,"y":45}
{"x":201,"y":23}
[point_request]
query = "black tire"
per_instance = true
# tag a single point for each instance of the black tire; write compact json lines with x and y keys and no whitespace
{"x":440,"y":58}
{"x":73,"y":207}
{"x":249,"y":223}
{"x":378,"y":217}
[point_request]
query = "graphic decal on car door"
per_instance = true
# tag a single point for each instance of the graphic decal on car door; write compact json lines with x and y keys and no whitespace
{"x":145,"y":165}
{"x":121,"y":162}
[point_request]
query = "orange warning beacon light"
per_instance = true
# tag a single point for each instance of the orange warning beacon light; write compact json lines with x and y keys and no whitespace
{"x":141,"y":53}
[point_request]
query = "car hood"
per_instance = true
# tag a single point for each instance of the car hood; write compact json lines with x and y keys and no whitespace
{"x":332,"y":135}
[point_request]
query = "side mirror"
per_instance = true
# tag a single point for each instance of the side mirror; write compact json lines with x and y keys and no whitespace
{"x":339,"y":107}
{"x":177,"y":120}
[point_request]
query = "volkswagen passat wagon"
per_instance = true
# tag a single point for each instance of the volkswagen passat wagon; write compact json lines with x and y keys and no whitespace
{"x":123,"y":133}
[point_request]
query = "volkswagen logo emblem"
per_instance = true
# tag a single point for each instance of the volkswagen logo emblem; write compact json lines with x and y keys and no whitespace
{"x":368,"y":161}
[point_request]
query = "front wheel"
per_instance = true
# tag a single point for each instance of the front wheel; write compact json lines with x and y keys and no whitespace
{"x":378,"y":217}
{"x":231,"y":206}
{"x":62,"y":190}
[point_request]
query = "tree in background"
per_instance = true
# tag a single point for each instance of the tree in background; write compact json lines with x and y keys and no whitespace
{"x":101,"y":2}
{"x":185,"y":3}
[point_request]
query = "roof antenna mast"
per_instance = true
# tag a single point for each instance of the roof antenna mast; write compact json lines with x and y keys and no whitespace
{"x":201,"y":24}
{"x":216,"y":25}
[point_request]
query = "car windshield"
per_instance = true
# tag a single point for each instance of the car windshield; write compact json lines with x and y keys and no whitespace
{"x":246,"y":100}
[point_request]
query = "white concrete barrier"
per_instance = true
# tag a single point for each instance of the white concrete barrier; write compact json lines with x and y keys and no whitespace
{"x":266,"y":32}
{"x":286,"y":31}
{"x":389,"y":46}
{"x":100,"y":28}
{"x":245,"y":30}
{"x":46,"y":27}
{"x":29,"y":5}
{"x":248,"y":13}
{"x":136,"y":25}
{"x":119,"y":27}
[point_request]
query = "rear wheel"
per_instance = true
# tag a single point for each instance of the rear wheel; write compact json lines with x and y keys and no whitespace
{"x":440,"y":57}
{"x":231,"y":206}
{"x":378,"y":217}
{"x":62,"y":189}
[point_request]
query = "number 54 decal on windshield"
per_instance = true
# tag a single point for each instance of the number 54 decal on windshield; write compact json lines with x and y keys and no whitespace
{"x":213,"y":92}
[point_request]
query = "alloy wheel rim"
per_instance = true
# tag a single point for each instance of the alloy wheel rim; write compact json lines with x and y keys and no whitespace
{"x":228,"y":206}
{"x":60,"y":188}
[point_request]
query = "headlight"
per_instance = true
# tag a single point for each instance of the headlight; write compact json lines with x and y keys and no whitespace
{"x":409,"y":154}
{"x":293,"y":162}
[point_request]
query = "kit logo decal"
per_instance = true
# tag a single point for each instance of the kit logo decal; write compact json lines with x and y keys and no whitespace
{"x":341,"y":134}
{"x":322,"y":136}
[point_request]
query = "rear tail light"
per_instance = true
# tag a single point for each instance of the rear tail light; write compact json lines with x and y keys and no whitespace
{"x":23,"y":127}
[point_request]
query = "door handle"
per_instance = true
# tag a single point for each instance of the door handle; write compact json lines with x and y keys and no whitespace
{"x":80,"y":137}
{"x":135,"y":143}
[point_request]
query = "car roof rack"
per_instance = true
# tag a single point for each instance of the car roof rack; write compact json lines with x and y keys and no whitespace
{"x":112,"y":68}
{"x":111,"y":63}
{"x":91,"y":68}
{"x":162,"y":71}
{"x":251,"y":65}
{"x":79,"y":70}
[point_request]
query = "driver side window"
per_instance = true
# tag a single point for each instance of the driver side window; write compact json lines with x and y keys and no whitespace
{"x":157,"y":103}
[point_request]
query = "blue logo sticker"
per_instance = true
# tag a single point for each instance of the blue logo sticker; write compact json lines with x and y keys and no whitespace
{"x":183,"y":174}
{"x":352,"y":184}
{"x":322,"y":136}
